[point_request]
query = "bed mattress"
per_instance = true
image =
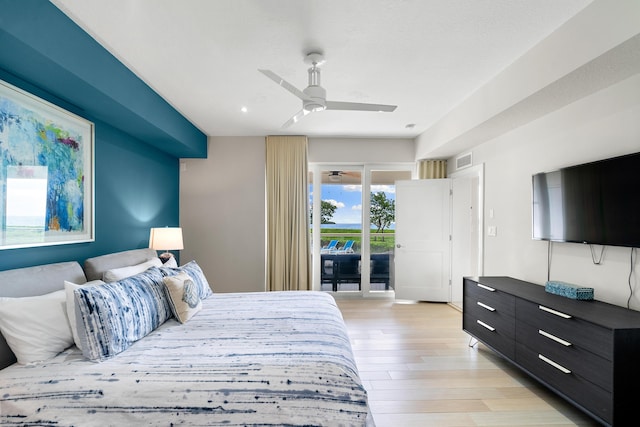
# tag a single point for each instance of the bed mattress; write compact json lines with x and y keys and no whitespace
{"x":259,"y":359}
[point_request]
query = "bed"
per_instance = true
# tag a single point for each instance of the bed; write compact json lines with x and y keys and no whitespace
{"x":278,"y":358}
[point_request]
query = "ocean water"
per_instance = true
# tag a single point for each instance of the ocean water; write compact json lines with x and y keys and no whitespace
{"x":25,"y":221}
{"x":353,"y":226}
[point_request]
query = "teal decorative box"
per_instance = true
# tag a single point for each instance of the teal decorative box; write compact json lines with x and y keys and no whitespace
{"x":568,"y":290}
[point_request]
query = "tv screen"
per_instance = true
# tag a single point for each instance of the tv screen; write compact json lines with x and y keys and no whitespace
{"x":596,"y":203}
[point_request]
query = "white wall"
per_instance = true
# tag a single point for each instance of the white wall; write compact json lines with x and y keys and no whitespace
{"x":602,"y":125}
{"x":572,"y":98}
{"x":222,"y":202}
{"x":222,"y":205}
{"x":594,"y":49}
{"x":365,"y":150}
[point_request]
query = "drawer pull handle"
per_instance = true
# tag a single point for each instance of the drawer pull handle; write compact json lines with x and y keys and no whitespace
{"x":554,"y":364}
{"x":488,"y":307}
{"x":484,"y":325}
{"x":554,"y":338}
{"x":552,"y":311}
{"x":485,"y":287}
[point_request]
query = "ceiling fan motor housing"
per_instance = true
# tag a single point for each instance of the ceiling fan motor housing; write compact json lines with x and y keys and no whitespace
{"x":317,"y":98}
{"x":315,"y":92}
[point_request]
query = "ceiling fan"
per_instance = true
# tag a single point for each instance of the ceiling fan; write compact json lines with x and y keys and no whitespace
{"x":314,"y":96}
{"x":336,"y":176}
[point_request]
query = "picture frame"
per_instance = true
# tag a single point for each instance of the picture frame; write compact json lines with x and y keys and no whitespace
{"x":46,"y":172}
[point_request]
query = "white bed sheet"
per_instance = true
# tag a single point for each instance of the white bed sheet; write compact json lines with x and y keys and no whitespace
{"x":280,"y":358}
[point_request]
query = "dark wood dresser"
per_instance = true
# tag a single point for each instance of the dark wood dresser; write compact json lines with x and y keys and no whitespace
{"x":586,"y":351}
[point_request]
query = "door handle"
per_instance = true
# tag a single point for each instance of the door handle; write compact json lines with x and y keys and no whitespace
{"x":398,"y":246}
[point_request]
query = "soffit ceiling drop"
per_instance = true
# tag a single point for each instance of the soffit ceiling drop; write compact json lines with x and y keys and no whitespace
{"x":425,"y":56}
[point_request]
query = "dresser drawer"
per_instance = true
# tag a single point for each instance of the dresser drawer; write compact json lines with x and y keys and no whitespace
{"x":503,"y":322}
{"x":591,"y":337}
{"x":586,"y":364}
{"x":494,"y":329}
{"x":584,"y":393}
{"x":501,"y":301}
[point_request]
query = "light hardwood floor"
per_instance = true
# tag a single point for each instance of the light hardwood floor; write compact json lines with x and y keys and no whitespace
{"x":418,"y":369}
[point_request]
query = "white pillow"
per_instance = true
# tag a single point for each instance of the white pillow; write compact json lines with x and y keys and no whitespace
{"x":69,"y":287}
{"x":116,"y":274}
{"x":36,"y":328}
{"x":171,"y":263}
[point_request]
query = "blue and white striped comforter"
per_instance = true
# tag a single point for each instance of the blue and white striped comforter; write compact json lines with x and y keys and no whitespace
{"x":256,"y":359}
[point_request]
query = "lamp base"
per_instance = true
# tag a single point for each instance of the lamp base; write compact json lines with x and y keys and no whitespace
{"x":165,"y":256}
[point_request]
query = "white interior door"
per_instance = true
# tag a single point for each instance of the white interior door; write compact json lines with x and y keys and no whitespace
{"x":466,"y":227}
{"x":462,"y":215}
{"x":423,"y":253}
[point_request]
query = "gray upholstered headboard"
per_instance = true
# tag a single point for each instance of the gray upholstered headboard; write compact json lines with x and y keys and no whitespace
{"x":43,"y":279}
{"x":95,"y":267}
{"x":33,"y":281}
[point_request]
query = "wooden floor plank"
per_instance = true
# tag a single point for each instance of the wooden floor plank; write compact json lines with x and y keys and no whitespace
{"x":419,"y":370}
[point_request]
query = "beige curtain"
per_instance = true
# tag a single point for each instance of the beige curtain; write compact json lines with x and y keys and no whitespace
{"x":288,"y":244}
{"x":432,"y":169}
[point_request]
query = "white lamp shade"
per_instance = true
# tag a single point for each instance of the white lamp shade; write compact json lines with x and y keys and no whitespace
{"x":166,"y":239}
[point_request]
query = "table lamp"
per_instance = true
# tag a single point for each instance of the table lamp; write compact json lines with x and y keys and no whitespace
{"x":166,"y":239}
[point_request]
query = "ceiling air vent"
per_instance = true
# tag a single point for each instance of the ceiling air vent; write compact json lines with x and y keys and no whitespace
{"x":464,"y":161}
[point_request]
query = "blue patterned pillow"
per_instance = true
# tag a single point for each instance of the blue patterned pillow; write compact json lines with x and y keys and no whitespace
{"x":113,"y":316}
{"x":195,"y":272}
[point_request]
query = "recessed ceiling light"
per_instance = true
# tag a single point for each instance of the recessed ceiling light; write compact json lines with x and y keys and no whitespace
{"x":244,"y":109}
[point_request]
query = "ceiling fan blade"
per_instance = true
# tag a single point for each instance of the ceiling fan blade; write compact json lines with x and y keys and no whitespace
{"x":285,"y":84}
{"x":300,"y":114}
{"x":337,"y":105}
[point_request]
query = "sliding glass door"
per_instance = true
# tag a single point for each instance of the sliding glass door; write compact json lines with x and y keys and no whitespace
{"x":382,"y":227}
{"x":352,"y":227}
{"x":341,"y":229}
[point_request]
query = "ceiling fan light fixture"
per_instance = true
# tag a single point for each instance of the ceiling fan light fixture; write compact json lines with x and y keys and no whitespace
{"x":335,"y":176}
{"x":313,"y":107}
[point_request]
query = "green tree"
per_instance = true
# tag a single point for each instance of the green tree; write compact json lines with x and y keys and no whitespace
{"x":383,"y":211}
{"x":327,"y":210}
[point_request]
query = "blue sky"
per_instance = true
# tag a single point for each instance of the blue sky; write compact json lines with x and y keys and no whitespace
{"x":348,"y":200}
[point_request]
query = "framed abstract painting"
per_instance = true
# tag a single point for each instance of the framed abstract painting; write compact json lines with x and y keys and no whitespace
{"x":46,"y":172}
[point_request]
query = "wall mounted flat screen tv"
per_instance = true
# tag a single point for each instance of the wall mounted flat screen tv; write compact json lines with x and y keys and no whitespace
{"x":594,"y":203}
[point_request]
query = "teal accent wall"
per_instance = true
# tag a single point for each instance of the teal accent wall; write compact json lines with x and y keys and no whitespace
{"x":139,"y":138}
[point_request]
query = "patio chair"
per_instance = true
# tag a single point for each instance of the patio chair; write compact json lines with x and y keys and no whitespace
{"x":328,"y":271}
{"x":330,"y":248}
{"x":347,"y":269}
{"x":380,"y":272}
{"x":347,"y":248}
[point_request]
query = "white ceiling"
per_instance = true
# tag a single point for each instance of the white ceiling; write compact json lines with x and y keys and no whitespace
{"x":426,"y":56}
